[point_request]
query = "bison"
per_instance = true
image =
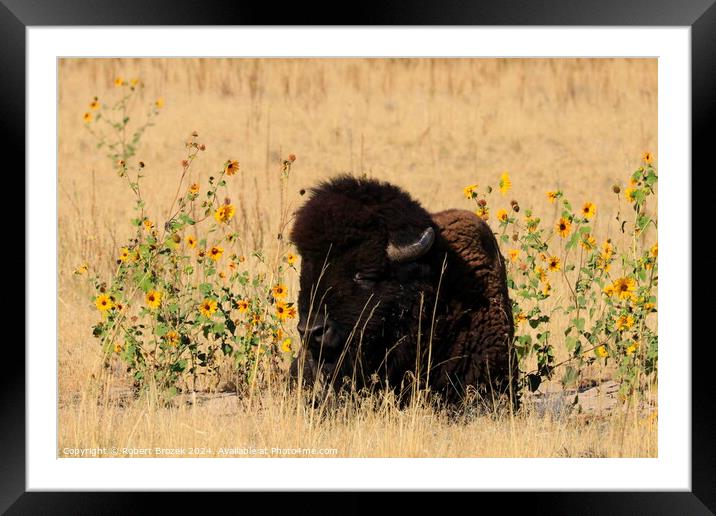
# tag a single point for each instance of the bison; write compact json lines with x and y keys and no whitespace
{"x":395,"y":296}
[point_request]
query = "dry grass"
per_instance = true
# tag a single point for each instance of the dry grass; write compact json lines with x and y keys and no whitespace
{"x":431,"y":126}
{"x":367,"y":428}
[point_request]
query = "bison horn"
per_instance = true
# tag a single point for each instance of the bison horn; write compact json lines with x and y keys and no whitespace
{"x":412,"y":251}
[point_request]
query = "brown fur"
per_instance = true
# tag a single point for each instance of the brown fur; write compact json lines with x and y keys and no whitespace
{"x":347,"y":224}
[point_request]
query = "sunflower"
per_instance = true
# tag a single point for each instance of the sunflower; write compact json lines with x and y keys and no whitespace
{"x":103,"y":303}
{"x":255,"y":319}
{"x":470,"y":192}
{"x":588,"y":242}
{"x":647,"y":158}
{"x":282,"y":310}
{"x":87,"y":117}
{"x":242,"y":259}
{"x":483,"y":212}
{"x":243,"y":305}
{"x":172,"y":338}
{"x":602,"y":352}
{"x":531,"y":223}
{"x":191,"y":241}
{"x":541,"y":274}
{"x":224,"y":213}
{"x":513,"y":254}
{"x":552,"y":196}
{"x":118,"y":81}
{"x":546,"y":288}
{"x":502,"y":215}
{"x":290,"y":258}
{"x":629,"y":194}
{"x":159,"y":103}
{"x":117,"y":347}
{"x":654,"y":251}
{"x":624,"y":287}
{"x":624,"y":322}
{"x":279,"y":291}
{"x":154,"y":299}
{"x":94,"y":105}
{"x":232,"y":266}
{"x":194,"y":189}
{"x":208,"y":307}
{"x":124,"y":255}
{"x":232,"y":167}
{"x":216,"y":252}
{"x":286,"y":346}
{"x":563,"y":227}
{"x":133,"y":82}
{"x":607,"y":250}
{"x":505,"y":183}
{"x":632,"y":347}
{"x":82,"y":269}
{"x":148,"y":224}
{"x":589,"y":210}
{"x":520,"y":318}
{"x":609,"y":290}
{"x":553,"y":264}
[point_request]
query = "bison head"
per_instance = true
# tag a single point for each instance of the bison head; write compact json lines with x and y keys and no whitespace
{"x":366,"y":250}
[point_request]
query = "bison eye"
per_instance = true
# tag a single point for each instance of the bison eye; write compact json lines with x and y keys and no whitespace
{"x":366,"y":279}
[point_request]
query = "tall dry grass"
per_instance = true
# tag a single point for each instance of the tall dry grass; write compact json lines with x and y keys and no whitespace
{"x":431,"y":126}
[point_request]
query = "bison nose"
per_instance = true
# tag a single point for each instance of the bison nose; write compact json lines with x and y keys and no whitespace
{"x":319,"y":335}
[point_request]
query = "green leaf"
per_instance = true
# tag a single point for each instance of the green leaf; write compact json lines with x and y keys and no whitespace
{"x":525,"y":339}
{"x":186,"y":219}
{"x":642,"y":222}
{"x":572,"y":241}
{"x":178,"y":366}
{"x":146,"y":284}
{"x":570,"y":376}
{"x":162,"y":329}
{"x":570,"y":343}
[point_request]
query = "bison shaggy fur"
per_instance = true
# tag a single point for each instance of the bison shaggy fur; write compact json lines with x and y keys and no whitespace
{"x":391,"y":294}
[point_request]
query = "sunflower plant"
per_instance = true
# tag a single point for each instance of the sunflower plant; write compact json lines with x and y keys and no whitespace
{"x":610,"y":296}
{"x":181,"y":299}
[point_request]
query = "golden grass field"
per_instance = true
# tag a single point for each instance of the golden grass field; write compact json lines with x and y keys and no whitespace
{"x":432,"y":127}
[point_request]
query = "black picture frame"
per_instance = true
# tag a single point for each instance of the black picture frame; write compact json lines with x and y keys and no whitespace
{"x":699,"y":15}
